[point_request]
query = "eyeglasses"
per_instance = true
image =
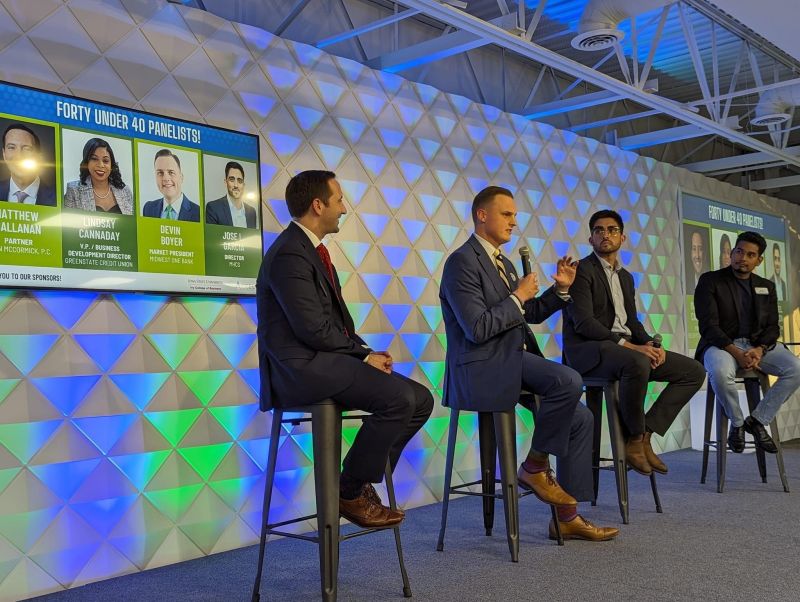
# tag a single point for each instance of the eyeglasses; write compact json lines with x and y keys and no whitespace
{"x":611,"y":230}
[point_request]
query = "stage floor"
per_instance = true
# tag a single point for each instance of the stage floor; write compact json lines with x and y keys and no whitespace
{"x":705,"y":546}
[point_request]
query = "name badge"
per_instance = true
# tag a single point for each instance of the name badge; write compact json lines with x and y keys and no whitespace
{"x":761,"y":290}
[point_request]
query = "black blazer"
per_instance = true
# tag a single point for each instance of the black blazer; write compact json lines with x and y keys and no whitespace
{"x":304,"y":353}
{"x":218,"y":212}
{"x":716,"y":302}
{"x":590,"y":316}
{"x":46,"y":195}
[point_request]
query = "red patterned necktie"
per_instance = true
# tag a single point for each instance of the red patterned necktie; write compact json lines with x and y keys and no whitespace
{"x":325,"y":256}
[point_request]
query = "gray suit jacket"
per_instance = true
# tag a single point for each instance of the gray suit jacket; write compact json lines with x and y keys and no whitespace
{"x":81,"y":196}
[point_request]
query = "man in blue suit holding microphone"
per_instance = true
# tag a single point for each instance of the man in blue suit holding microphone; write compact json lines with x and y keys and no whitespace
{"x":492,"y":354}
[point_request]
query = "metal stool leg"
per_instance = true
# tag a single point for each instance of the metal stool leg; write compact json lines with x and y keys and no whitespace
{"x":326,"y":425}
{"x":506,"y":436}
{"x":448,"y":474}
{"x":752,"y":390}
{"x":488,"y":453}
{"x":722,"y":447}
{"x":773,"y":426}
{"x":594,"y":401}
{"x":707,"y":431}
{"x":654,"y":488}
{"x":272,"y":457}
{"x":396,"y":529}
{"x":617,"y":449}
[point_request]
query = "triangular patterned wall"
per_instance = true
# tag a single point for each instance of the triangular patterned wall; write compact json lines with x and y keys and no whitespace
{"x":129,"y":425}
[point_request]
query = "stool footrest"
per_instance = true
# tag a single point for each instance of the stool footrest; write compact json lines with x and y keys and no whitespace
{"x":291,"y":521}
{"x":311,"y":538}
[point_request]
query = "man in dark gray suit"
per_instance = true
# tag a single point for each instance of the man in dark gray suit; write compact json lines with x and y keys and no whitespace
{"x":604,"y":338}
{"x":231,"y":209}
{"x":22,"y":156}
{"x":308,"y":349}
{"x":492,"y":354}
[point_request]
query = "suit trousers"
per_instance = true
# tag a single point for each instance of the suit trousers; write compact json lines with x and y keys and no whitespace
{"x":398,"y":408}
{"x":563,"y":424}
{"x":684,"y":376}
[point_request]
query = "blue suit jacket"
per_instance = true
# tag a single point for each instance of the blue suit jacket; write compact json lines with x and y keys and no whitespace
{"x":304,"y":354}
{"x":219,"y":212}
{"x":46,"y":195}
{"x":486,"y":331}
{"x":189,"y":212}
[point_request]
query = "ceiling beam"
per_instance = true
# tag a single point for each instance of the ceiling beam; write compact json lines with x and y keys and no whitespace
{"x":737,"y":161}
{"x":346,"y":35}
{"x":582,"y":127}
{"x":574,"y":103}
{"x":496,"y":35}
{"x":682,"y":132}
{"x":775,"y":183}
{"x":438,"y":48}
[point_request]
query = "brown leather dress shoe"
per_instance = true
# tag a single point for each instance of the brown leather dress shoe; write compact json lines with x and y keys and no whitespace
{"x":369,"y":490}
{"x":652,"y":459}
{"x":365,"y":513}
{"x":634,"y":453}
{"x":545,"y":487}
{"x":580,"y":528}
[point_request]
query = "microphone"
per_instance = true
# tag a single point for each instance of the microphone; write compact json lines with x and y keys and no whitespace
{"x":657,"y":339}
{"x":525,"y":256}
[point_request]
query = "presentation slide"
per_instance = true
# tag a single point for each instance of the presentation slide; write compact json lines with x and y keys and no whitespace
{"x":709,"y":233}
{"x":94,"y":196}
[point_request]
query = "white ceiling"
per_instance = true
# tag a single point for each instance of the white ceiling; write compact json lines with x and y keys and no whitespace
{"x":774,"y":20}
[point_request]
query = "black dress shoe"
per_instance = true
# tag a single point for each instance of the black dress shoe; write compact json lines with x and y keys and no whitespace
{"x":760,"y":435}
{"x":736,"y":439}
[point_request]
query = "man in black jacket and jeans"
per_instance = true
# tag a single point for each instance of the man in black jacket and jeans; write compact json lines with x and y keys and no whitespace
{"x":604,"y":338}
{"x":737,"y":311}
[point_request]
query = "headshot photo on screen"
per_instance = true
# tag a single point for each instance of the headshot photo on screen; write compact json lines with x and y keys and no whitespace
{"x":721,"y":246}
{"x":169,"y":178}
{"x":776,"y":269}
{"x":97,"y":171}
{"x":233,"y":186}
{"x":696,"y":254}
{"x":27,"y":173}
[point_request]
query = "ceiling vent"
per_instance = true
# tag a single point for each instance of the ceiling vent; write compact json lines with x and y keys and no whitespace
{"x":771,"y":119}
{"x":597,"y":39}
{"x":598,"y":27}
{"x":776,"y":106}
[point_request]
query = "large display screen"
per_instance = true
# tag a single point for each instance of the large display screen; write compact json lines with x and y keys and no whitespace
{"x":709,"y":233}
{"x":94,"y":196}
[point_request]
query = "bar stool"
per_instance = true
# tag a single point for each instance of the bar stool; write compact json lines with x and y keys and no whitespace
{"x":754,"y":384}
{"x":326,"y":434}
{"x":497,"y":436}
{"x":596,"y":389}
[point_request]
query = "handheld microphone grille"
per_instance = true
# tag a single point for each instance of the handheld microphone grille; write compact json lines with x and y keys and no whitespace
{"x":525,"y":256}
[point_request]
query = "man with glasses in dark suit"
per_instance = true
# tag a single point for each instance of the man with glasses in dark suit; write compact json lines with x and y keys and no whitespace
{"x":603,"y":338}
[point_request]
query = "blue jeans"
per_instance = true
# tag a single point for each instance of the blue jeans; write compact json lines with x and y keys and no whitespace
{"x":779,"y":361}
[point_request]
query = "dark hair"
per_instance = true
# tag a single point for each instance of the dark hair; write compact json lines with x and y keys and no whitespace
{"x":485,"y":196}
{"x":776,"y":247}
{"x":755,"y":238}
{"x":233,"y":165}
{"x":306,"y":186}
{"x":165,"y":152}
{"x":18,"y":126}
{"x":603,"y":213}
{"x":722,"y":240}
{"x":92,"y":144}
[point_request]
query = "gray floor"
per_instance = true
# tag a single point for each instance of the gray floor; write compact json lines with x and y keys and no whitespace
{"x":740,"y":545}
